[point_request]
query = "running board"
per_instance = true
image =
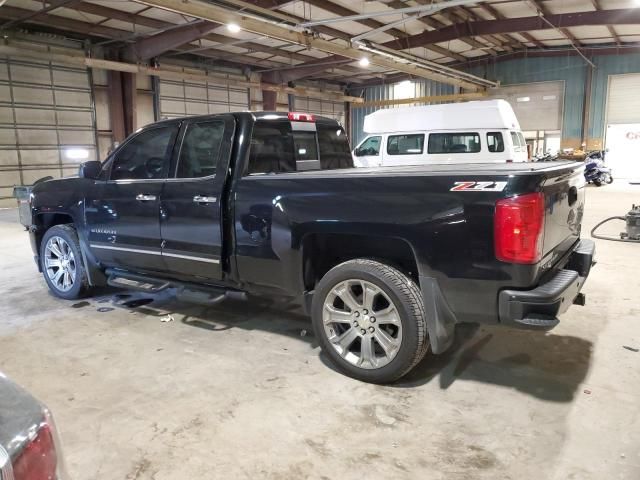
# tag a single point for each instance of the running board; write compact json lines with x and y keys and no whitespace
{"x":200,"y":296}
{"x":135,"y":284}
{"x":184,"y":291}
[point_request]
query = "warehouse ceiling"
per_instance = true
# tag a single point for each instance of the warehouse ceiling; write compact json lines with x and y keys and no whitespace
{"x":334,"y":40}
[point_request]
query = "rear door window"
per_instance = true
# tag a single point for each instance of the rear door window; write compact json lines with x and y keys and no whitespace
{"x":495,"y":142}
{"x":464,"y":142}
{"x":276,"y":148}
{"x":412,"y":144}
{"x":200,"y":150}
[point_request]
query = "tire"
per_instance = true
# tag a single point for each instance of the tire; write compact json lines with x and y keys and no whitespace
{"x":60,"y":246}
{"x":597,"y":182}
{"x":397,"y":340}
{"x":609,"y":179}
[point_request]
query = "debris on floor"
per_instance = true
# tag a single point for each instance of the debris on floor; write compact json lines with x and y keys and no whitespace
{"x":80,"y":304}
{"x":631,"y":349}
{"x":167,"y":318}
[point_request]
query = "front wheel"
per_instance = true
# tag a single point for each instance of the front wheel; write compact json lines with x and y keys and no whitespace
{"x":370,"y":321}
{"x":61,"y":261}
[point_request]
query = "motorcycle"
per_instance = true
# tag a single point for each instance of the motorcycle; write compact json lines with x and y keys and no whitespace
{"x":595,"y":170}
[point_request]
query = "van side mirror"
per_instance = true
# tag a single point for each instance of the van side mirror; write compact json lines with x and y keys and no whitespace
{"x":90,"y":169}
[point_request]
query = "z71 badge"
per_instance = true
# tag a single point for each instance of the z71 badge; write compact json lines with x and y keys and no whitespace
{"x":478,"y":186}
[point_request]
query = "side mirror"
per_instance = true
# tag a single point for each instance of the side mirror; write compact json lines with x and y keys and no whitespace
{"x":90,"y":169}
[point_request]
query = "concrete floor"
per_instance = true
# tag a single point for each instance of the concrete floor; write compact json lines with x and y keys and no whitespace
{"x":239,"y":391}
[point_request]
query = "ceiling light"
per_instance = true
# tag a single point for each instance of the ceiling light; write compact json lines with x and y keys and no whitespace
{"x":364,"y":62}
{"x":233,"y":27}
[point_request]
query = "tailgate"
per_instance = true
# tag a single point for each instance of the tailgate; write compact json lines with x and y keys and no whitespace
{"x":564,"y":201}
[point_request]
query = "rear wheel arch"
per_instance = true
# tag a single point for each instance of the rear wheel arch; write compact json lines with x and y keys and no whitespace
{"x":323,"y":251}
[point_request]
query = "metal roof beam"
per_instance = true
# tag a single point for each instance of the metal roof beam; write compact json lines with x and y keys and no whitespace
{"x":32,"y":14}
{"x":207,"y":11}
{"x":372,"y":23}
{"x":629,"y":16}
{"x":174,"y":37}
{"x":499,"y":16}
{"x":612,"y":31}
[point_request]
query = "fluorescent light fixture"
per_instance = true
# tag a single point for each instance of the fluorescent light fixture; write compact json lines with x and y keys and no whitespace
{"x":364,"y":62}
{"x":77,"y":153}
{"x":549,"y":97}
{"x":233,"y":27}
{"x":523,"y":99}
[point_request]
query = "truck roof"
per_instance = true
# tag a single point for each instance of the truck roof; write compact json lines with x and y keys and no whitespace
{"x":256,"y":116}
{"x":484,"y":114}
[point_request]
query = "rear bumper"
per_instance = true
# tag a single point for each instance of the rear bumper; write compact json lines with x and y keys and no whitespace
{"x":539,"y":308}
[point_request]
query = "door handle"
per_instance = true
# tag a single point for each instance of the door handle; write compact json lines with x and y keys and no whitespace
{"x":201,"y":199}
{"x":141,"y":197}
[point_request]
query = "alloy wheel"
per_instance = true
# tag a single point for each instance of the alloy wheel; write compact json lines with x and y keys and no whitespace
{"x":362,"y":323}
{"x":60,"y":263}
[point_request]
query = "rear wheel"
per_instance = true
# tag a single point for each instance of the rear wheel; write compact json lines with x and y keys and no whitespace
{"x":370,"y":321}
{"x":61,"y":261}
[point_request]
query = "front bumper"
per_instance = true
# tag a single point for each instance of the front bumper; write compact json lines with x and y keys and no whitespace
{"x":539,"y":308}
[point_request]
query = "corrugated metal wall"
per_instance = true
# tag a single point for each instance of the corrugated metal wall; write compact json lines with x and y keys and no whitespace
{"x":386,"y":92}
{"x":606,"y":66}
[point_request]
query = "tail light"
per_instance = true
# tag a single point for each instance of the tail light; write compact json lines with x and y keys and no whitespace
{"x":519,"y":228}
{"x":509,"y":161}
{"x":39,"y":459}
{"x":301,"y":117}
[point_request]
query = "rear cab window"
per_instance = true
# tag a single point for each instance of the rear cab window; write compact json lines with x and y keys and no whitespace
{"x":283,"y":146}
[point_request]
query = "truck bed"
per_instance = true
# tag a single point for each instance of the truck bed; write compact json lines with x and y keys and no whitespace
{"x":452,"y":169}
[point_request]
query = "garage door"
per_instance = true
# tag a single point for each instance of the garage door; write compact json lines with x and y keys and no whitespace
{"x":326,"y":108}
{"x":538,"y":106}
{"x":623,"y":102}
{"x":623,"y":126}
{"x":46,"y":123}
{"x":180,"y":98}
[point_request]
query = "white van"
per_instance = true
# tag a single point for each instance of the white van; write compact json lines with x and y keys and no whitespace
{"x":472,"y":132}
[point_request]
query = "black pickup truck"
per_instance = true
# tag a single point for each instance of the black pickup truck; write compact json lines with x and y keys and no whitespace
{"x":386,"y":261}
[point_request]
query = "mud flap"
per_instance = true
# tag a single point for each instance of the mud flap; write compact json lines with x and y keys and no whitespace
{"x":441,"y":321}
